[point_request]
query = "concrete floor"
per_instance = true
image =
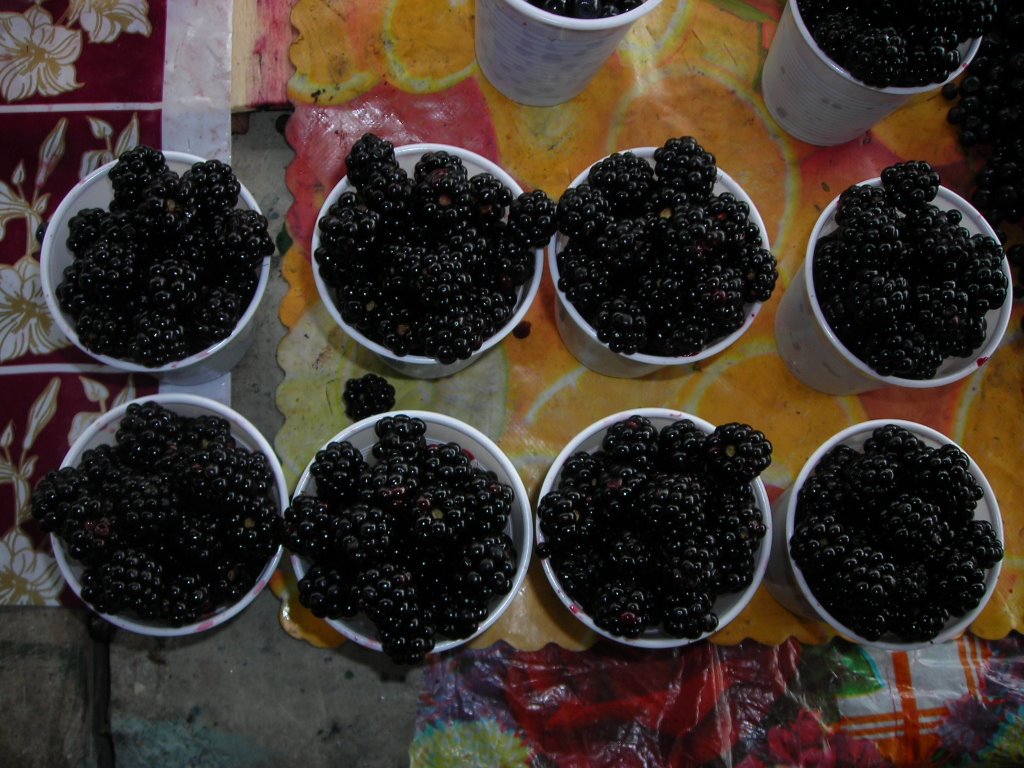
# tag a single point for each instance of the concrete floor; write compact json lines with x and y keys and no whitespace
{"x":74,"y":693}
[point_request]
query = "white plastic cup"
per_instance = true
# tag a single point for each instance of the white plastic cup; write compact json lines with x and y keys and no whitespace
{"x":580,"y":337}
{"x":419,"y":366}
{"x":103,"y":431}
{"x":815,"y":355}
{"x":486,"y":454}
{"x":539,"y":58}
{"x":727,"y":606}
{"x":817,"y":101}
{"x":95,"y":191}
{"x":786,"y":583}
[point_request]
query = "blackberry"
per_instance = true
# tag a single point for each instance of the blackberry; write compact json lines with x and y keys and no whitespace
{"x":217,"y":315}
{"x":368,"y":395}
{"x":242,"y":241}
{"x":737,"y":452}
{"x":211,"y":188}
{"x":532,"y":219}
{"x":87,"y":227}
{"x":625,"y":180}
{"x":336,"y":468}
{"x":582,"y":211}
{"x":681,"y":447}
{"x":368,"y":154}
{"x":133,"y":172}
{"x":328,"y":593}
{"x":910,"y":185}
{"x":442,"y":199}
{"x":622,"y":611}
{"x":686,"y":166}
{"x":490,"y":199}
{"x":621,"y":326}
{"x":633,"y":441}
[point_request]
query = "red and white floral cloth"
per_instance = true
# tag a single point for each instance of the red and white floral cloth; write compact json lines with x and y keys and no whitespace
{"x":80,"y":82}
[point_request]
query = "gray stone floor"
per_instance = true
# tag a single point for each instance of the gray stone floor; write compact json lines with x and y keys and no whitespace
{"x":73,"y":693}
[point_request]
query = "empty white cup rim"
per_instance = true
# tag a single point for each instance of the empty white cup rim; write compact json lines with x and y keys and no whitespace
{"x":933,"y":437}
{"x":154,"y":628}
{"x":68,"y":207}
{"x":527,"y":291}
{"x":970,"y":364}
{"x":751,"y":310}
{"x":582,"y":25}
{"x":741,"y":598}
{"x":965,"y":59}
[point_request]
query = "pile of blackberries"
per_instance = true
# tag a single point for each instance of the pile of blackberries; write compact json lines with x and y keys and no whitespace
{"x":431,"y":263}
{"x":169,"y":268}
{"x":648,"y":531}
{"x":413,"y":537}
{"x":173,"y":521}
{"x":655,"y":260}
{"x":904,"y":43}
{"x":901,"y":283}
{"x":886,"y":536}
{"x":587,"y":9}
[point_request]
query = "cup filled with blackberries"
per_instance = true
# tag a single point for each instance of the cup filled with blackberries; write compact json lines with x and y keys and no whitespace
{"x":904,"y":284}
{"x":410,"y":533}
{"x":660,"y":259}
{"x":890,"y":534}
{"x":428,"y":255}
{"x":654,"y":526}
{"x":156,"y":263}
{"x":835,"y":69}
{"x":545,"y":52}
{"x":165,"y":515}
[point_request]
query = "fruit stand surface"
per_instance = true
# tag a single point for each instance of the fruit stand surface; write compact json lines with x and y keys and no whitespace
{"x":79,"y":83}
{"x":770,"y":688}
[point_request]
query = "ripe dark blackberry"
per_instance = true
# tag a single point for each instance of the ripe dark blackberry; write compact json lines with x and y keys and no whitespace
{"x":211,"y":188}
{"x":491,"y":199}
{"x":625,"y":180}
{"x":328,"y":593}
{"x":216,"y":317}
{"x":685,"y":165}
{"x":910,"y":185}
{"x":85,"y":228}
{"x":133,"y":172}
{"x":442,"y":200}
{"x":681,"y":447}
{"x":368,"y":154}
{"x":241,"y":241}
{"x":367,"y":395}
{"x":532,"y":219}
{"x":634,"y":441}
{"x":582,"y":211}
{"x":336,"y":468}
{"x":737,"y":452}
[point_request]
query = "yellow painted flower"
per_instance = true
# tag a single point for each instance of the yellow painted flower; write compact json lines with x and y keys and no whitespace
{"x":36,"y":56}
{"x":105,"y":20}
{"x":470,"y":745}
{"x":27,"y":577}
{"x":25,"y":324}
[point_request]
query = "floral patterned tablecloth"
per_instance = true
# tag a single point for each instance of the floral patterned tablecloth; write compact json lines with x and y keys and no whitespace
{"x":538,"y":689}
{"x":80,"y":81}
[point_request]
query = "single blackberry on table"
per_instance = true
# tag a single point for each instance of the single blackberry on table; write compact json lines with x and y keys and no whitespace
{"x":133,"y":172}
{"x":368,"y":154}
{"x":367,"y":395}
{"x":737,"y":452}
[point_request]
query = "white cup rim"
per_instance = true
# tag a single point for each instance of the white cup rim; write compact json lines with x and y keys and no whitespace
{"x":68,"y":207}
{"x":929,"y":435}
{"x":751,"y":310}
{"x":741,"y":598}
{"x":582,"y":25}
{"x":239,"y":423}
{"x":495,"y":456}
{"x":966,"y":57}
{"x":970,"y":364}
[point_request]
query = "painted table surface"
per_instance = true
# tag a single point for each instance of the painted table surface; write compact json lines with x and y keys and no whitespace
{"x":405,"y":69}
